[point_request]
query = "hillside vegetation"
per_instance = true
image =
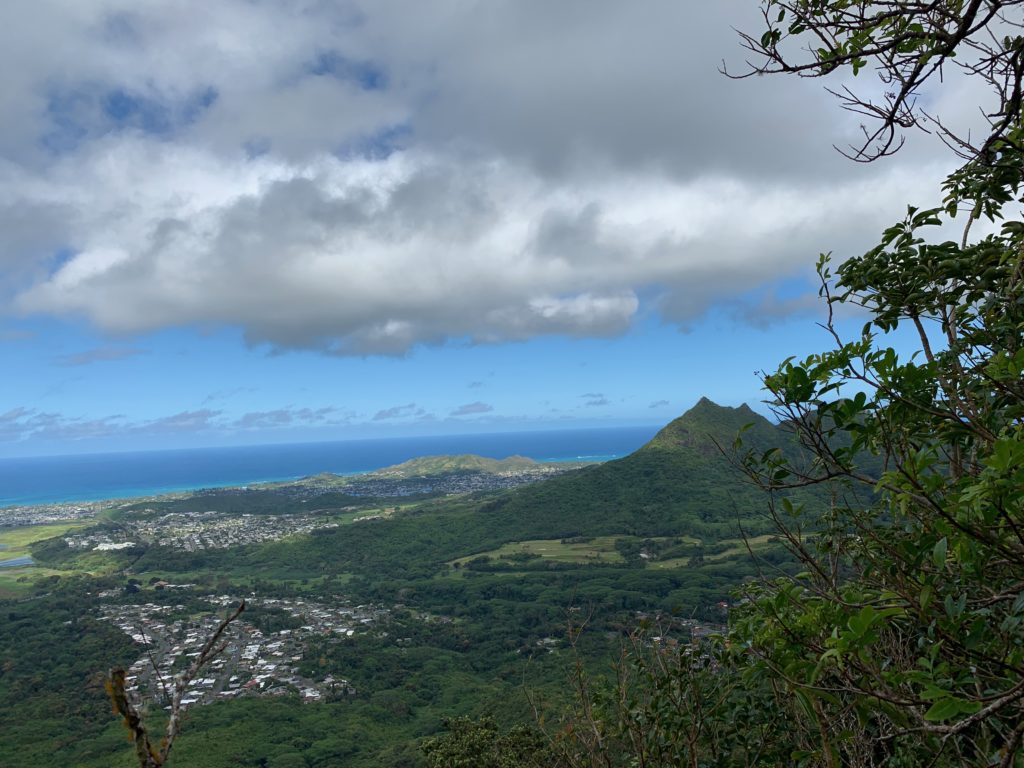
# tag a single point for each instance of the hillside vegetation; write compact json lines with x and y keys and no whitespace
{"x":660,"y":531}
{"x":684,"y":481}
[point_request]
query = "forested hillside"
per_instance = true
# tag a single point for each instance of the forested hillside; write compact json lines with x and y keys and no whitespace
{"x":684,"y":481}
{"x":659,"y":532}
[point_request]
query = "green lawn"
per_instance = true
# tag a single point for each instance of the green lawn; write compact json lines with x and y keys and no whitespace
{"x":599,"y":549}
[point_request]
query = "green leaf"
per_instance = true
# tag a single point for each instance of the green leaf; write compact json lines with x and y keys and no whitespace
{"x":943,"y":709}
{"x":939,"y":552}
{"x":862,"y":622}
{"x":926,"y":596}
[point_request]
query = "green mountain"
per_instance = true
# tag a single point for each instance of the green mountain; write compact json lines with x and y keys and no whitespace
{"x":684,"y":481}
{"x":709,"y":428}
{"x":679,"y":484}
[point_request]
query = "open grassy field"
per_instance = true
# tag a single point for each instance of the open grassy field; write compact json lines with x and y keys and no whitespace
{"x":16,"y":543}
{"x":736,"y":547}
{"x":14,"y":582}
{"x":599,"y":549}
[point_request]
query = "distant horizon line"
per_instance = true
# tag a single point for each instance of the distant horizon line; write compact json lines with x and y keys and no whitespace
{"x":424,"y":436}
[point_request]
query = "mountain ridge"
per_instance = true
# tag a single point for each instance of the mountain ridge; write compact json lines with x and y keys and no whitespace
{"x":681,"y":482}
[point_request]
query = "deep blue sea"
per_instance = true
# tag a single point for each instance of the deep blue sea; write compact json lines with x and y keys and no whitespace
{"x":50,"y":479}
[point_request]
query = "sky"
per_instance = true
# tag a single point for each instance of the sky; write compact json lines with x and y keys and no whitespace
{"x":259,"y":221}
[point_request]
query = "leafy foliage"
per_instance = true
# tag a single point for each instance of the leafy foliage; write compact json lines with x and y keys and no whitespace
{"x":479,"y":744}
{"x":53,"y":708}
{"x":673,"y":703}
{"x":908,"y":618}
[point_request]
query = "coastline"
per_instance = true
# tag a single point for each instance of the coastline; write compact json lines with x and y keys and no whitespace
{"x":92,"y":479}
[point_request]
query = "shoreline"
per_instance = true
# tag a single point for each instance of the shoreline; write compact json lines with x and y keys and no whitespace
{"x":140,"y":494}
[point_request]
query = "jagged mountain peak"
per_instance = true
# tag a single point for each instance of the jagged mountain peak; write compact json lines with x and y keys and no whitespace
{"x":707,"y":425}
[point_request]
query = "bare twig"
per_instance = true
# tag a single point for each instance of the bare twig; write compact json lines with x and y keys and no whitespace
{"x":148,"y":755}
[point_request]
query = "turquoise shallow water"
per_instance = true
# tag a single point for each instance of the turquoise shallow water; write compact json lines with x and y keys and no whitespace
{"x":52,"y":479}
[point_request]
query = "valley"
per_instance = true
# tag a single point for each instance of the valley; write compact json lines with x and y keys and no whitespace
{"x":385,"y":603}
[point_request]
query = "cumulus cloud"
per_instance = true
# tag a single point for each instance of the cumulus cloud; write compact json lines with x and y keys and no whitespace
{"x":22,"y":423}
{"x":471,"y":408}
{"x":595,"y":400}
{"x":659,"y":404}
{"x":362,"y":178}
{"x":283,"y":417}
{"x":185,"y":421}
{"x":411,"y":410}
{"x":19,"y":424}
{"x":375,"y":257}
{"x":12,"y":423}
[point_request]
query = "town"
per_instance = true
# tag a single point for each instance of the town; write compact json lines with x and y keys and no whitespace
{"x":253,"y":663}
{"x":194,"y":531}
{"x":42,"y":514}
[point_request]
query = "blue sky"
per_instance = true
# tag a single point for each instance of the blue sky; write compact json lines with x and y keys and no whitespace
{"x":288,"y":220}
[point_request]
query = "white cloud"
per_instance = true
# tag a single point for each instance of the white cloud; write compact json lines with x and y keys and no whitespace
{"x":470,"y":409}
{"x":283,"y":417}
{"x":411,"y":410}
{"x":20,"y":424}
{"x":185,"y":421}
{"x":29,"y":424}
{"x":361,"y":178}
{"x":595,"y":400}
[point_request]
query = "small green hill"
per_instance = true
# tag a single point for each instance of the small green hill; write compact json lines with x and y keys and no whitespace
{"x":682,"y":482}
{"x":427,"y":466}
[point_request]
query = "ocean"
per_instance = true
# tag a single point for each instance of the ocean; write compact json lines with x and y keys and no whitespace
{"x":91,"y":477}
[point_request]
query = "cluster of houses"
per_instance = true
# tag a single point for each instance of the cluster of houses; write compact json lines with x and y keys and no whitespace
{"x":674,"y":630}
{"x":447,"y":484}
{"x":194,"y":531}
{"x":40,"y":514}
{"x":252,"y":663}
